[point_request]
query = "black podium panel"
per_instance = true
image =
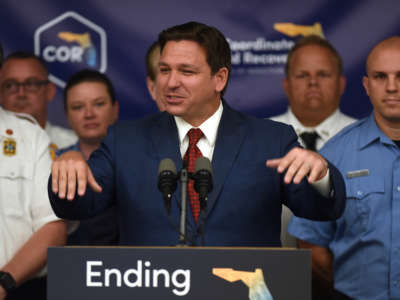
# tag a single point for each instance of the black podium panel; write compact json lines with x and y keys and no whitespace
{"x":178,"y":273}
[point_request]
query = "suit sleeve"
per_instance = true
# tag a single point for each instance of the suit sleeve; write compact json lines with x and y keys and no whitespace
{"x":305,"y":201}
{"x":91,"y":203}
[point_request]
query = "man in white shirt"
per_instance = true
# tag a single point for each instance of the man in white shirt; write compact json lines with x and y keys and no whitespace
{"x":314,"y":84}
{"x":25,"y":88}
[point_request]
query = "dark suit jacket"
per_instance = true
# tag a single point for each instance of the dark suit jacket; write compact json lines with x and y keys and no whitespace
{"x":244,"y":208}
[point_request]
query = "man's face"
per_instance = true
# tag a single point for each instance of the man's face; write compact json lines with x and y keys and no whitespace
{"x":187,"y":87}
{"x":90,"y":110}
{"x":383,"y":84}
{"x":314,"y":84}
{"x":31,"y":98}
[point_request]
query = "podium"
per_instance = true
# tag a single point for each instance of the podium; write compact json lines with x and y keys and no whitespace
{"x":126,"y":273}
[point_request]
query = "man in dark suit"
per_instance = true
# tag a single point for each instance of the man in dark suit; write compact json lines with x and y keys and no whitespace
{"x":244,"y":207}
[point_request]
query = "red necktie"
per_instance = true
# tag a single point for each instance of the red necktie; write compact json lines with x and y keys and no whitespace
{"x":192,"y":153}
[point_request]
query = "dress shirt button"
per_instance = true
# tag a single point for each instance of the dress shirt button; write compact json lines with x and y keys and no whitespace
{"x":12,"y":174}
{"x":398,"y":188}
{"x":359,"y":193}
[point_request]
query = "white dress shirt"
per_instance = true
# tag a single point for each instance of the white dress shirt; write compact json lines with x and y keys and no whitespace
{"x":327,"y":129}
{"x":209,"y":128}
{"x":24,"y":204}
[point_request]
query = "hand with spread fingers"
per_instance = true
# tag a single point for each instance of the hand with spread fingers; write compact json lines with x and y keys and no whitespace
{"x":300,"y":163}
{"x":71,"y":173}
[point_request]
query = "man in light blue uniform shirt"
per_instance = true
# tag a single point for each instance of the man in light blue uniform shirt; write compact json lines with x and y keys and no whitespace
{"x":363,"y":246}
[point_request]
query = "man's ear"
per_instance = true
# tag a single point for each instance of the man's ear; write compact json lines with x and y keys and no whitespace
{"x":150,"y":86}
{"x":115,"y":111}
{"x":221,"y":79}
{"x":51,"y":91}
{"x":365,"y":82}
{"x":285,"y":85}
{"x":342,"y":83}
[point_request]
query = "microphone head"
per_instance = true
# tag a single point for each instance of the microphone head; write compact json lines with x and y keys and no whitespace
{"x":167,"y":177}
{"x":167,"y":164}
{"x":203,"y":179}
{"x":202,"y":163}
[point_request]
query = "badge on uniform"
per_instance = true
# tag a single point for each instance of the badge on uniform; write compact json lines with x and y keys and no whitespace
{"x":357,"y":173}
{"x":9,"y":147}
{"x":53,"y":149}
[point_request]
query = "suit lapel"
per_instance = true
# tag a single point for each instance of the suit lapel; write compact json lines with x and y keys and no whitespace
{"x":231,"y":134}
{"x":166,"y":143}
{"x":165,"y":139}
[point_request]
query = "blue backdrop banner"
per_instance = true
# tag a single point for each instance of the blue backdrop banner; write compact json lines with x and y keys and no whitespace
{"x":113,"y":37}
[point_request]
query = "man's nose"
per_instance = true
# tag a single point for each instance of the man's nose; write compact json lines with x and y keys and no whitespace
{"x":392,"y":84}
{"x":173,"y":79}
{"x":89,"y":112}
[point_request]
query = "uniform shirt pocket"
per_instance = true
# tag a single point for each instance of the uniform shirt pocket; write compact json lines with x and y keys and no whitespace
{"x":362,"y":195}
{"x":15,"y":186}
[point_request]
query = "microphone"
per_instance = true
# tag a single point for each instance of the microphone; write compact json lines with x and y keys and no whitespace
{"x":167,"y":177}
{"x":203,"y":179}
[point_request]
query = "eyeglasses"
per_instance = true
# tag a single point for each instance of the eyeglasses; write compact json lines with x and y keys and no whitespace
{"x":31,"y":86}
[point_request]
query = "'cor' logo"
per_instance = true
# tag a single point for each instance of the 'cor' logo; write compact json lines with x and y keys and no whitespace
{"x":69,"y":43}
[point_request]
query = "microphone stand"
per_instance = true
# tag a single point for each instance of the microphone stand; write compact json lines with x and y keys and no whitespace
{"x":184,"y":178}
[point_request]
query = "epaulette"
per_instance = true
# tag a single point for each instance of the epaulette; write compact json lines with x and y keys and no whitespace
{"x":26,"y":117}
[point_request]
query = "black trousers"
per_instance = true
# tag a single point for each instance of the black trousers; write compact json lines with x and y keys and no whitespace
{"x":32,"y":289}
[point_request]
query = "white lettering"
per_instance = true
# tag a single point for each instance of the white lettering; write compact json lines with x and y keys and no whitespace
{"x":133,"y":278}
{"x":147,"y":274}
{"x":260,"y":44}
{"x":137,"y":273}
{"x":90,"y":274}
{"x":107,"y":275}
{"x":49,"y":53}
{"x":63,"y":54}
{"x":156,"y":274}
{"x":185,"y":284}
{"x":263,"y":59}
{"x":76,"y":54}
{"x":236,"y":58}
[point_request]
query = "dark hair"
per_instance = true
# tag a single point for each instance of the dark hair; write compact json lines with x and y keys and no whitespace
{"x":27,"y":55}
{"x":1,"y":55}
{"x":88,"y":75}
{"x":218,"y":53}
{"x":317,"y":41}
{"x":151,"y":69}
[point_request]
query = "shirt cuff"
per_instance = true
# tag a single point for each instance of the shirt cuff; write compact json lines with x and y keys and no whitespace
{"x":323,"y":186}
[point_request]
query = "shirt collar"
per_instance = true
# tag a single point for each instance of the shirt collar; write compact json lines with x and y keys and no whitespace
{"x":370,"y":132}
{"x":208,"y":127}
{"x":325,"y":129}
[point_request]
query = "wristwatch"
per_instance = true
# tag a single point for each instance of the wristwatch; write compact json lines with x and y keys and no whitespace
{"x":7,"y":281}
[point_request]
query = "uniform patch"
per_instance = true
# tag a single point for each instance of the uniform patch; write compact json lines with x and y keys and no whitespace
{"x":9,"y":147}
{"x":53,"y":149}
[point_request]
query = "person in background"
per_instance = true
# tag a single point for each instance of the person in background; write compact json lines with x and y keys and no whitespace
{"x":91,"y":107}
{"x":27,"y":89}
{"x":28,"y":225}
{"x":152,"y":59}
{"x":314,"y":84}
{"x":361,"y":248}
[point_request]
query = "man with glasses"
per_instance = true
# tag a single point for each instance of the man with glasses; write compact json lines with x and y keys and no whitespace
{"x":25,"y":88}
{"x":28,"y":225}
